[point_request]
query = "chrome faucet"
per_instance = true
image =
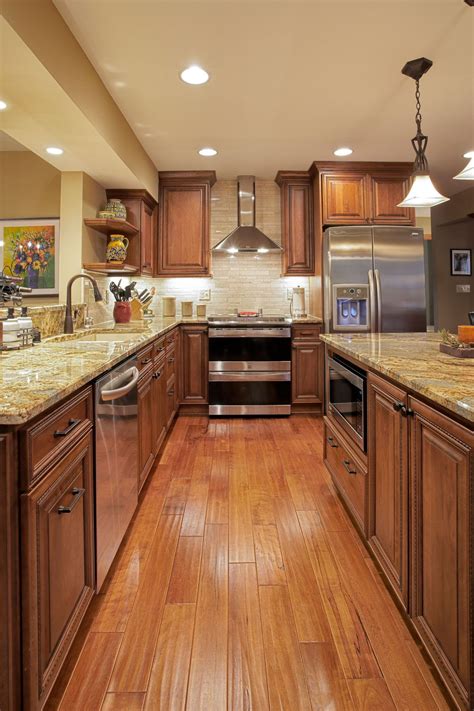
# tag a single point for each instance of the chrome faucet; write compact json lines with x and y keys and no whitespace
{"x":68,"y":322}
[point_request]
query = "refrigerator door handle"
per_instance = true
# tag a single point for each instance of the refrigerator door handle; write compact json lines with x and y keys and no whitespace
{"x":378,"y":294}
{"x":372,"y":304}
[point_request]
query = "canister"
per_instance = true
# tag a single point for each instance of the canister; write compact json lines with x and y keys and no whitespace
{"x":168,"y":306}
{"x":201,"y":310}
{"x":186,"y":309}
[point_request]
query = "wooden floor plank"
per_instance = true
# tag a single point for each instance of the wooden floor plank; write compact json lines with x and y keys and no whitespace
{"x":247,"y":683}
{"x":371,"y":695}
{"x":123,"y":702}
{"x":88,"y":684}
{"x":326,"y":683}
{"x":135,"y":658}
{"x":218,"y":499}
{"x":194,"y":517}
{"x":176,"y":496}
{"x":185,"y":575}
{"x":207,"y":689}
{"x":287,"y":687}
{"x":169,"y":674}
{"x":270,"y":567}
{"x":241,"y":545}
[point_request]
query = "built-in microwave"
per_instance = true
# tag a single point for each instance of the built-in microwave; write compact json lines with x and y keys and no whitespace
{"x":347,"y":397}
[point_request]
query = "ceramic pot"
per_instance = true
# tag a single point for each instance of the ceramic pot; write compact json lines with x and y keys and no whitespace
{"x":118,"y":208}
{"x":122,"y":312}
{"x":117,"y":249}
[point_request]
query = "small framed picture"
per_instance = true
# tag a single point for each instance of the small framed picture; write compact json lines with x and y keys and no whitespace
{"x":461,"y":262}
{"x":29,"y":249}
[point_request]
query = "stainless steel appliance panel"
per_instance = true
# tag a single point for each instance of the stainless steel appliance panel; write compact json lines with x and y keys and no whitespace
{"x":399,"y":274}
{"x":116,"y":460}
{"x":346,"y":398}
{"x":221,"y":366}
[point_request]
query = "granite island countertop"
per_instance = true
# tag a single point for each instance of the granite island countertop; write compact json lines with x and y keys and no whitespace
{"x":34,"y":379}
{"x":414,"y":360}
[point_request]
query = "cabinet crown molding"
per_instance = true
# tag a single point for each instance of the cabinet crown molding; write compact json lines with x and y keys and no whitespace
{"x":360,"y":167}
{"x":132,"y":194}
{"x":287,"y":176}
{"x":187,"y":177}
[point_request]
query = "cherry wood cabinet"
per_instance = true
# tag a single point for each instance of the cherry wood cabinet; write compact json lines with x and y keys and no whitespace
{"x":194,"y":365}
{"x":441,"y":501}
{"x":141,"y":212}
{"x":307,"y":369}
{"x":386,"y":192}
{"x":146,"y":425}
{"x":345,"y":198}
{"x":58,"y":566}
{"x":184,"y":223}
{"x":388,"y":482}
{"x":160,"y":404}
{"x":296,"y":193}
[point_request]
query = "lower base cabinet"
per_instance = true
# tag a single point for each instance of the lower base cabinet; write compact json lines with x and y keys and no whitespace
{"x":195,"y":369}
{"x":160,"y":404}
{"x":307,"y":369}
{"x":146,"y":415}
{"x":58,"y":567}
{"x":441,"y":505}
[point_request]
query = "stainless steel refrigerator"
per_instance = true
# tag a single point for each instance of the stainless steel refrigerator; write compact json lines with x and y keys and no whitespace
{"x":374,"y":279}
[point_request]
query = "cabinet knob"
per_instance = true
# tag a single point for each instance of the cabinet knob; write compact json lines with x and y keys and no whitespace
{"x":332,"y":443}
{"x":157,"y":375}
{"x":145,"y":361}
{"x":348,"y":468}
{"x":397,"y":406}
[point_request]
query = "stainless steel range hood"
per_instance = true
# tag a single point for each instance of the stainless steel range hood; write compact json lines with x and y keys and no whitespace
{"x":246,"y":237}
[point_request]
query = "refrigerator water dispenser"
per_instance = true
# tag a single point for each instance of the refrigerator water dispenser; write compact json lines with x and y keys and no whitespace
{"x":350,"y":306}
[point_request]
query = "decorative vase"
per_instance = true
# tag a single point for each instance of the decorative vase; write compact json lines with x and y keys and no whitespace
{"x":122,"y":312}
{"x":118,"y":208}
{"x":117,"y":249}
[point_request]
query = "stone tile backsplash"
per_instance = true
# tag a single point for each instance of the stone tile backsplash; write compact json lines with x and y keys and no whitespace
{"x":242,"y":281}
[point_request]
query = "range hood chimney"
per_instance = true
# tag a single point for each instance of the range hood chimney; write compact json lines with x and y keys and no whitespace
{"x":246,"y":237}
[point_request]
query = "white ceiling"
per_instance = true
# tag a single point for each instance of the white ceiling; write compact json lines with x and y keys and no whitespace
{"x":290,"y":79}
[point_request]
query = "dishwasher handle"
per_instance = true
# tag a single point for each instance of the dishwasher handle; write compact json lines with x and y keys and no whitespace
{"x":120,"y":389}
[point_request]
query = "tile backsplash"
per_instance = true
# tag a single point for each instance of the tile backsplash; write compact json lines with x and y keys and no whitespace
{"x":242,"y":281}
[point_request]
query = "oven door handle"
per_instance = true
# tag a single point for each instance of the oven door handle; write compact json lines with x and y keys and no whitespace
{"x":249,"y":332}
{"x":121,"y":386}
{"x":249,"y":376}
{"x":346,"y":373}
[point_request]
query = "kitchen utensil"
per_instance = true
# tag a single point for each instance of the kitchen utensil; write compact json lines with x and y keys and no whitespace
{"x":471,"y":317}
{"x":145,"y":296}
{"x":114,"y":290}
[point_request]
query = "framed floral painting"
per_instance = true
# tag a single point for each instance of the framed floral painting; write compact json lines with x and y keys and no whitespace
{"x":29,"y":249}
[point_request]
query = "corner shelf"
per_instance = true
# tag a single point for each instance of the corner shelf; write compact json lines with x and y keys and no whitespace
{"x":108,"y":226}
{"x":107,"y":268}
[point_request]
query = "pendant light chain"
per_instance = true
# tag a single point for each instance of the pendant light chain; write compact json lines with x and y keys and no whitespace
{"x":420,"y":141}
{"x":418,"y":106}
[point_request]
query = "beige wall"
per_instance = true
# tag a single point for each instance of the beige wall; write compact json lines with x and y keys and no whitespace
{"x":451,"y":308}
{"x":29,"y":187}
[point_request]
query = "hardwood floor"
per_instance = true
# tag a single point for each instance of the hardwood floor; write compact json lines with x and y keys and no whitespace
{"x":242,"y":585}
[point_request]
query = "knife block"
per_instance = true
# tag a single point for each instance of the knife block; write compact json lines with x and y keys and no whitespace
{"x":137,"y":310}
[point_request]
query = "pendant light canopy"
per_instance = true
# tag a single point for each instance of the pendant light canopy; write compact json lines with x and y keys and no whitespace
{"x":422,"y":192}
{"x":468,"y":172}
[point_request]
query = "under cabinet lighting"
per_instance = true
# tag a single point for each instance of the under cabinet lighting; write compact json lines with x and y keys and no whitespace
{"x":194,"y":75}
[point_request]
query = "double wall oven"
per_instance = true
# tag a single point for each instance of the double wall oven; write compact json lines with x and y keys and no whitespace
{"x":249,"y":366}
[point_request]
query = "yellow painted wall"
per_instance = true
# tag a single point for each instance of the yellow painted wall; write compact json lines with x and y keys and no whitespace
{"x":29,"y":186}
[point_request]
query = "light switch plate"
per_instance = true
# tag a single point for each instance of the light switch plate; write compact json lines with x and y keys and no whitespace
{"x":463,"y":288}
{"x":205,"y":295}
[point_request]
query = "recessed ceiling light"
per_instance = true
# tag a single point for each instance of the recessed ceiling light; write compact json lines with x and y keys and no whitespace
{"x":469,"y":154}
{"x":194,"y":75}
{"x":207,"y":152}
{"x":3,"y":105}
{"x":53,"y":151}
{"x":343,"y":151}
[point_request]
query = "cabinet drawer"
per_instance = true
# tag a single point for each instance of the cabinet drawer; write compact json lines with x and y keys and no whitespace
{"x":170,"y":362}
{"x":53,"y":434}
{"x":171,"y":339}
{"x":145,"y":357}
{"x":347,"y":471}
{"x":159,"y":348}
{"x":306,"y":333}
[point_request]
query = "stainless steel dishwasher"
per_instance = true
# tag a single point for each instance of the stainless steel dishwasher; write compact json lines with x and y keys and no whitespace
{"x":116,"y":460}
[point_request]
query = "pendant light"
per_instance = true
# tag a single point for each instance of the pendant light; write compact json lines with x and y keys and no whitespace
{"x":468,"y":172}
{"x":422,"y":193}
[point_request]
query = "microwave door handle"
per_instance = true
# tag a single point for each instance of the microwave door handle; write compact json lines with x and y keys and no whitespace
{"x":372,"y":303}
{"x":116,"y":393}
{"x":378,"y":294}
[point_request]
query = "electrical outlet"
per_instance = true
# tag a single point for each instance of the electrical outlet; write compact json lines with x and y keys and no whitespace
{"x":205,"y":295}
{"x":289,"y":294}
{"x":463,"y":288}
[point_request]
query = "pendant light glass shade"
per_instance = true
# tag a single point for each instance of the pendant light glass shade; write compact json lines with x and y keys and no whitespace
{"x":467,"y":173}
{"x":423,"y":194}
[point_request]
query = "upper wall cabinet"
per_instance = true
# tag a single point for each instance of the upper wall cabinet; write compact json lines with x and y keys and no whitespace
{"x":296,"y":222}
{"x":141,"y":212}
{"x":363,"y":193}
{"x":184,"y":223}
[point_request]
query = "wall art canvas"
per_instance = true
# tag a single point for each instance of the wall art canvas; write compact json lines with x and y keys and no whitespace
{"x":461,"y":262}
{"x":29,"y":249}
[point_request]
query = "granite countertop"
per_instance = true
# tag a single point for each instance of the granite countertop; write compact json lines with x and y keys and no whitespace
{"x":34,"y":379}
{"x":414,"y":360}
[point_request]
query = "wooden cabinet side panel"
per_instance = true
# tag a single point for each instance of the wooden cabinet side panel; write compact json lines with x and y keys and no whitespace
{"x":441,"y":542}
{"x":10,"y":662}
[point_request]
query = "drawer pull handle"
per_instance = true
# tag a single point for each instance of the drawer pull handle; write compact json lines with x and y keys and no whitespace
{"x":407,"y":412}
{"x":77,"y":494}
{"x":145,"y":361}
{"x":160,"y":349}
{"x":332,"y":443}
{"x":398,"y":407}
{"x":170,"y":393}
{"x":347,"y":467}
{"x":157,"y":375}
{"x":170,"y":360}
{"x":71,"y":426}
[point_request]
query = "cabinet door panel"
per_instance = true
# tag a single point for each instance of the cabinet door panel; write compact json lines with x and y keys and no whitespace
{"x":184,"y":230}
{"x":147,"y":239}
{"x":307,"y":372}
{"x":58,"y":566}
{"x":388,"y":482}
{"x":146,"y":416}
{"x":297,"y":228}
{"x":387,"y":191}
{"x":194,"y":364}
{"x":160,"y":418}
{"x":344,"y":198}
{"x":441,"y":468}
